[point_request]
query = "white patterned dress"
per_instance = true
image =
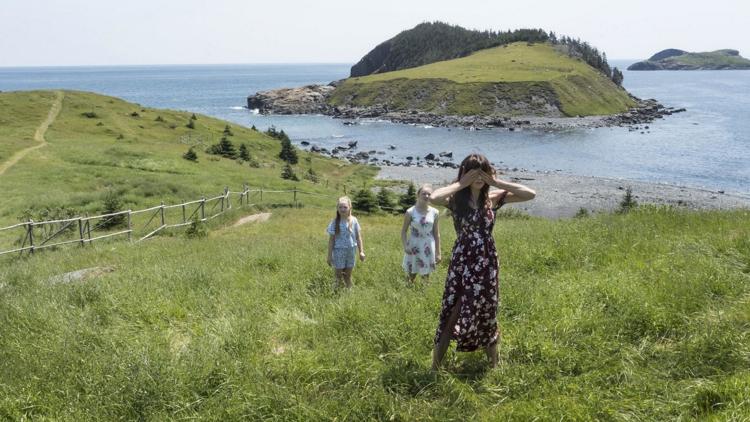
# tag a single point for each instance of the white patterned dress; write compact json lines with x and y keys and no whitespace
{"x":419,"y":257}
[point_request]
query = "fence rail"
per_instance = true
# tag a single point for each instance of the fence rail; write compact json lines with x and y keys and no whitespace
{"x":63,"y":230}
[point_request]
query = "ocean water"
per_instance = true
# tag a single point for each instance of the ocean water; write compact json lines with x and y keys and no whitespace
{"x":708,"y":146}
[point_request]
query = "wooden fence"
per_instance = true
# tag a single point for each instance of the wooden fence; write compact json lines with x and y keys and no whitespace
{"x":39,"y":235}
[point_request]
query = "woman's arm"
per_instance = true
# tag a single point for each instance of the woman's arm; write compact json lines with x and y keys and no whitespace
{"x":442,"y":195}
{"x":516,"y":191}
{"x":331,"y":240}
{"x":404,"y":228}
{"x":436,"y":235}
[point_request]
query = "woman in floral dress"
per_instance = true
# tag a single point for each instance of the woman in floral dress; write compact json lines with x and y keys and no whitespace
{"x":422,"y":249}
{"x":471,"y":296}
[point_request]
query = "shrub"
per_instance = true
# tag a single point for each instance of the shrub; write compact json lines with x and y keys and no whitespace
{"x":190,"y":155}
{"x":112,"y":204}
{"x":288,"y":173}
{"x":312,"y":176}
{"x":135,"y":114}
{"x":159,"y":119}
{"x":190,"y":124}
{"x":582,"y":213}
{"x":193,"y":117}
{"x":196,"y":229}
{"x":90,"y":115}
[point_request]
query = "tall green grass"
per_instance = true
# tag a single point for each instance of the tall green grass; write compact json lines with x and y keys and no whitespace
{"x":642,"y":316}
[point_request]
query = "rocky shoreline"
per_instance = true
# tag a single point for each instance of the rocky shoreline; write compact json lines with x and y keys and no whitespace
{"x":561,"y":195}
{"x":313,"y":99}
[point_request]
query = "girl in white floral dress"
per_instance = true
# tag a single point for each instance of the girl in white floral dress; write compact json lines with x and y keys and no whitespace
{"x":422,"y":248}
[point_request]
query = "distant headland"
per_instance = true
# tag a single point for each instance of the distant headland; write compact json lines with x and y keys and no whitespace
{"x":674,"y":59}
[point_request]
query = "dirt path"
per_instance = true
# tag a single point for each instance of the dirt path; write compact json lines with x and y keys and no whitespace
{"x":264,"y":216}
{"x":38,"y":135}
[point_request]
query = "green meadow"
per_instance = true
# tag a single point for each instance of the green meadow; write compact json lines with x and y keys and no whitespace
{"x":636,"y":316}
{"x":516,"y":71}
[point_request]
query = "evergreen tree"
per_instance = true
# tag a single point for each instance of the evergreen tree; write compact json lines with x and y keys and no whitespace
{"x":385,"y":200}
{"x":364,"y":200}
{"x":617,"y":76}
{"x":226,"y":148}
{"x":408,"y":199}
{"x":112,"y":204}
{"x":190,"y":124}
{"x":311,"y":175}
{"x":288,"y":173}
{"x":244,"y":155}
{"x":228,"y":131}
{"x":288,"y":152}
{"x":628,"y":201}
{"x":193,"y":117}
{"x":190,"y":155}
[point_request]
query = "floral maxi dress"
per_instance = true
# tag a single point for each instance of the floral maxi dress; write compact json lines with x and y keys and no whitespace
{"x":420,"y":251}
{"x":472,"y":283}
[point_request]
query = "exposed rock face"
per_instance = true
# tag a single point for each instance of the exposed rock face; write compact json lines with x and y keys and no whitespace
{"x":311,"y":99}
{"x":541,"y":112}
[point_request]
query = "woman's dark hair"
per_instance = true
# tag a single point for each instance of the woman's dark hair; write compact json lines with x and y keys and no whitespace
{"x":459,"y":201}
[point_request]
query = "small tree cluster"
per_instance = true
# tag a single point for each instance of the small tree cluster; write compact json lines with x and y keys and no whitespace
{"x":617,"y":76}
{"x":364,"y":200}
{"x":225,"y":148}
{"x":244,"y":154}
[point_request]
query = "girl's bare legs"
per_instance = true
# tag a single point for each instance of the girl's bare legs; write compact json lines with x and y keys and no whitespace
{"x":445,"y":339}
{"x":410,"y":279}
{"x":339,"y":278}
{"x":347,"y":272}
{"x":491,"y":352}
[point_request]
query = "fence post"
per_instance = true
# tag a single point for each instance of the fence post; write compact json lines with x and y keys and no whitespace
{"x":162,"y":213}
{"x":226,"y":194}
{"x":203,"y":208}
{"x":184,"y":216}
{"x":261,"y":194}
{"x":130,"y":227}
{"x":80,"y":229}
{"x":295,"y":197}
{"x":88,"y":228}
{"x":30,"y":228}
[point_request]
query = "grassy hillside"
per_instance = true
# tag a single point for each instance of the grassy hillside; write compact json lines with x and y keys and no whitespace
{"x":637,"y":317}
{"x":136,"y":152}
{"x":516,"y":68}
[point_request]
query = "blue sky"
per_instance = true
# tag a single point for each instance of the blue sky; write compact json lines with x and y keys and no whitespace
{"x":76,"y":32}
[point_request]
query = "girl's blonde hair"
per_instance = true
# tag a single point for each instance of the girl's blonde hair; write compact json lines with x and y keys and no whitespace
{"x":338,"y":217}
{"x":424,"y":186}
